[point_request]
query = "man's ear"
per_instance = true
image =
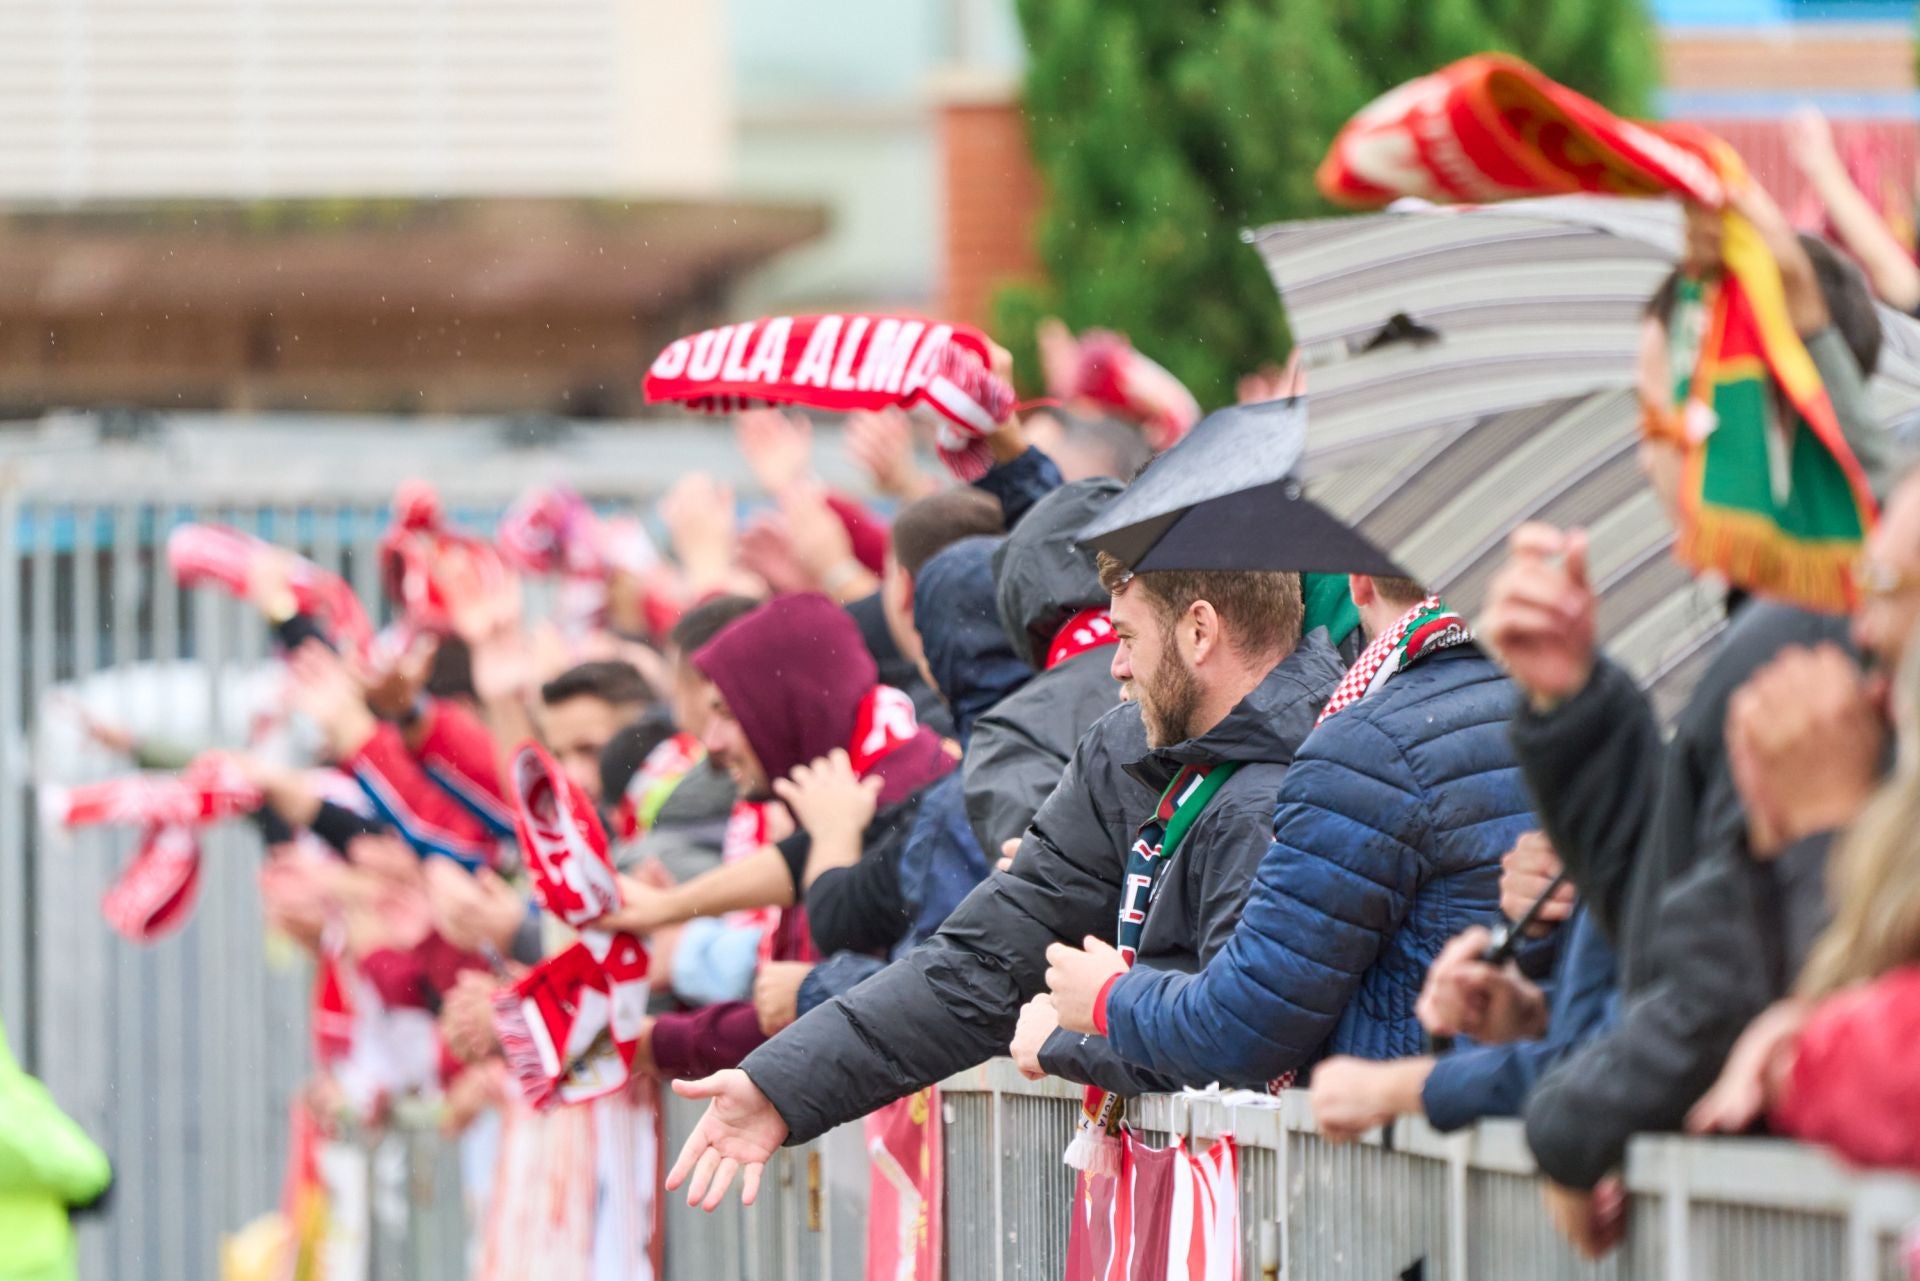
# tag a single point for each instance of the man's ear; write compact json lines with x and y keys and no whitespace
{"x":1361,"y":588}
{"x":1202,"y":626}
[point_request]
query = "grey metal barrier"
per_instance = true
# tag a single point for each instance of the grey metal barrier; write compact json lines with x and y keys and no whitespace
{"x":181,"y":1058}
{"x":1407,"y":1202}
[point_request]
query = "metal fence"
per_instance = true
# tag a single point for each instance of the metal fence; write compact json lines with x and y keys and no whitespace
{"x":1405,"y":1203}
{"x":181,"y":1058}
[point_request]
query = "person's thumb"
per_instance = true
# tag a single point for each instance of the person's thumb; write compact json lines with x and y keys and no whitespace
{"x":1576,"y":558}
{"x":707,"y":1087}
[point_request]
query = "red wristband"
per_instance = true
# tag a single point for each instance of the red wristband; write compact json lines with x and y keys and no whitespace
{"x":1100,"y":1002}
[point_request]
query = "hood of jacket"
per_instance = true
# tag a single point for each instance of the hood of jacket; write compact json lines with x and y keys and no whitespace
{"x":1266,"y":726}
{"x":967,"y":651}
{"x":1042,"y":575}
{"x":793,"y":673}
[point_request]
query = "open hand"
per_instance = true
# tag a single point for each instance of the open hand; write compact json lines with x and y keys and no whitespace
{"x":738,"y":1134}
{"x":777,"y":445}
{"x":881,"y":442}
{"x":327,"y":693}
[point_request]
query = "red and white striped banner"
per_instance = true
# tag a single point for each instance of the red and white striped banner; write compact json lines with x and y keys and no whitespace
{"x":1167,"y":1216}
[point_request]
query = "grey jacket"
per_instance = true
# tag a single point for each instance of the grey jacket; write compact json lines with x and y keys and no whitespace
{"x":954,"y":1001}
{"x":1042,"y":578}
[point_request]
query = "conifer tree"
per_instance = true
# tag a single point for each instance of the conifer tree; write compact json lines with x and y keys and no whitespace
{"x":1161,"y":128}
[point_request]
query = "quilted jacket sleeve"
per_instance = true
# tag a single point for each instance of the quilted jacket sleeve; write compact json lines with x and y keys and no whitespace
{"x":1331,"y":888}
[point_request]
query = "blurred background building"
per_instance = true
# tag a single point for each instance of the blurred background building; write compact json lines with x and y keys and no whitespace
{"x":491,"y":206}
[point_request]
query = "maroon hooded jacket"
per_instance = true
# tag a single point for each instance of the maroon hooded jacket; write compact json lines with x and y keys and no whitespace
{"x":794,"y":673}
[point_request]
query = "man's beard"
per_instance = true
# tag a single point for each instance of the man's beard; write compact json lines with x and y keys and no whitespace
{"x":1169,"y":700}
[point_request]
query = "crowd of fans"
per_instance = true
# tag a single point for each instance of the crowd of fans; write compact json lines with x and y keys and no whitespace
{"x":887,"y":798}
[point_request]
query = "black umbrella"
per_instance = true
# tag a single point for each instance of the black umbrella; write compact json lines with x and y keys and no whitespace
{"x":1226,"y":498}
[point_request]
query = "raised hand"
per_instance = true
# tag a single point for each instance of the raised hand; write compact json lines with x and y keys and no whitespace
{"x":1539,"y":620}
{"x":778,"y":447}
{"x":699,"y":516}
{"x":882,"y":444}
{"x":1805,"y":742}
{"x":326,"y":691}
{"x":738,"y":1134}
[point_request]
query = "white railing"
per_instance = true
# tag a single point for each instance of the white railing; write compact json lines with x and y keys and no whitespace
{"x":1458,"y":1206}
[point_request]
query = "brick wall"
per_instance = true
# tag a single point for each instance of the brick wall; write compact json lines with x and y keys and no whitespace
{"x":989,"y":199}
{"x":1788,"y":59}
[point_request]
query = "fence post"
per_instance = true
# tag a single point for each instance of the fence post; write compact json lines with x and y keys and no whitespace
{"x":1457,"y":1145}
{"x":998,"y":1155}
{"x":1677,"y":1212}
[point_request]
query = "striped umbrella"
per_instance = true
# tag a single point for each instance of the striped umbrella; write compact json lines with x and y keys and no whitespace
{"x":1472,"y":368}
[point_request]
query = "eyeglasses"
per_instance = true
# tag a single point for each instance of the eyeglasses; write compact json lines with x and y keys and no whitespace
{"x":1875,"y":580}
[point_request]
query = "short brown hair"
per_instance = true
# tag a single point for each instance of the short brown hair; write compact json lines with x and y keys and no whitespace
{"x":1399,"y":591}
{"x":609,"y":680}
{"x":1261,"y":609}
{"x":927,"y":526}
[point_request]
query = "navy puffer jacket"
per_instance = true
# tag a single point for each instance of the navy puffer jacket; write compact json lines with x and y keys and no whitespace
{"x":1387,"y":841}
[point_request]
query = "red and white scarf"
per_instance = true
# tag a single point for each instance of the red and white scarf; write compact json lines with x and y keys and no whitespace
{"x":156,"y":892}
{"x":550,"y":529}
{"x":1087,"y":630}
{"x":885,"y":721}
{"x":842,"y":364}
{"x":207,"y":791}
{"x":417,"y":555}
{"x":571,"y":1027}
{"x":225,"y":557}
{"x":1427,"y":628}
{"x":154,"y":895}
{"x":1112,"y":372}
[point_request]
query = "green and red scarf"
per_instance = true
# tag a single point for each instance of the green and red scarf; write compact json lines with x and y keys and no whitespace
{"x":1778,"y":504}
{"x":1428,"y":627}
{"x":1096,"y":1146}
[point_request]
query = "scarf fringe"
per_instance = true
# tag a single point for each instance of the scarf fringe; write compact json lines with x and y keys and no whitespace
{"x":522,"y":1054}
{"x":1094,"y":1151}
{"x":1752,"y":551}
